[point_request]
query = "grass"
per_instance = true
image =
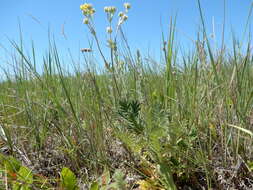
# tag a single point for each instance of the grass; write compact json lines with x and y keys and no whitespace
{"x":183,"y":123}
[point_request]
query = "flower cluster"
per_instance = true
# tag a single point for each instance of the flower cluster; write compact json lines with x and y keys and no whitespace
{"x":110,"y":10}
{"x":87,"y":9}
{"x":123,"y":17}
{"x":88,"y":12}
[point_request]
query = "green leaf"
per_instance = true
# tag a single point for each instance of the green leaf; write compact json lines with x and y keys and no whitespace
{"x":68,"y":179}
{"x":94,"y":186}
{"x":12,"y":164}
{"x":24,"y":179}
{"x":25,"y":174}
{"x":119,"y":179}
{"x":250,"y":133}
{"x":167,"y":180}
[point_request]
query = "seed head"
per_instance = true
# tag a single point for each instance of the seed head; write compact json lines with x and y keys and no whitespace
{"x":85,"y":50}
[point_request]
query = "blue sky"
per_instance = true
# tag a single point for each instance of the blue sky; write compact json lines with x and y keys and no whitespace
{"x":143,"y":29}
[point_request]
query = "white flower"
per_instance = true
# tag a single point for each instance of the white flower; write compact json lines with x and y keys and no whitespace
{"x":109,"y":30}
{"x":127,"y":6}
{"x":86,"y":21}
